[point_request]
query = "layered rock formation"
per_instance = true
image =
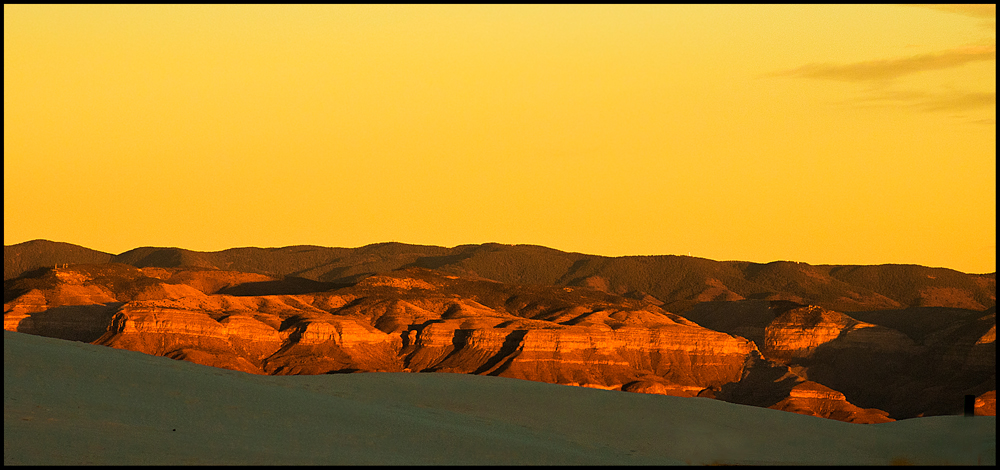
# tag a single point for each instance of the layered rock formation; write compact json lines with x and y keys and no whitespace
{"x":417,"y":320}
{"x":799,"y":333}
{"x":770,"y":384}
{"x":814,"y":399}
{"x":926,"y":369}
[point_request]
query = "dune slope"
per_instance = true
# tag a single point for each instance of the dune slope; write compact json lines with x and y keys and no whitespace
{"x":75,"y":403}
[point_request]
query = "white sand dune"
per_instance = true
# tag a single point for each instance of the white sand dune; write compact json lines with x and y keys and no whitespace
{"x":75,"y":403}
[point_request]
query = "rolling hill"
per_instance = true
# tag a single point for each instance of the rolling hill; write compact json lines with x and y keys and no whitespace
{"x":70,"y":403}
{"x":680,"y":282}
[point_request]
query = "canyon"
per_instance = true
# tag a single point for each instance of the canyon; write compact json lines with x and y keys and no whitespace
{"x":861,"y":344}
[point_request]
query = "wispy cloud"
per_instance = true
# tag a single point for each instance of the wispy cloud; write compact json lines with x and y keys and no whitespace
{"x":887,"y":69}
{"x":957,"y":102}
{"x":973,"y":10}
{"x":881,"y":87}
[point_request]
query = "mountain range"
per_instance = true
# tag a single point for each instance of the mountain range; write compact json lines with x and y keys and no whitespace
{"x":679,"y":282}
{"x":863,"y":344}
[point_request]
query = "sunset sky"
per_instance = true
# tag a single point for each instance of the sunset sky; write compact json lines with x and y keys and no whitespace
{"x":823,"y":134}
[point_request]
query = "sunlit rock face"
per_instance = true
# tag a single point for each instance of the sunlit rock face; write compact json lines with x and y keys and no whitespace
{"x":814,"y":399}
{"x":908,"y":362}
{"x":603,"y":348}
{"x":63,"y":304}
{"x":799,"y":332}
{"x":689,"y":358}
{"x":769,"y":384}
{"x":986,"y":404}
{"x":418,"y":320}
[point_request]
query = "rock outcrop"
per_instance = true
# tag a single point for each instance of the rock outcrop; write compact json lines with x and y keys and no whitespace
{"x":911,"y":362}
{"x":796,"y":334}
{"x":814,"y":399}
{"x":416,"y":320}
{"x":986,"y":404}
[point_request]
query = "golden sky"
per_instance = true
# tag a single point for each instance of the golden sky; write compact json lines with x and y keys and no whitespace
{"x":823,"y":134}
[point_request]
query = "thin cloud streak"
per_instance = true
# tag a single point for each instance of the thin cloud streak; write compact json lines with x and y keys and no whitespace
{"x":954,"y":101}
{"x":887,"y":69}
{"x":986,"y":12}
{"x":961,"y":102}
{"x":973,"y":10}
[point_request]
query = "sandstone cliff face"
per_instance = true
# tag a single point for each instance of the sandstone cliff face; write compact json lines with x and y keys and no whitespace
{"x":417,"y":320}
{"x":65,"y":304}
{"x":770,"y":384}
{"x":690,"y":358}
{"x":813,"y":399}
{"x":910,"y":362}
{"x":986,"y":404}
{"x":797,"y":333}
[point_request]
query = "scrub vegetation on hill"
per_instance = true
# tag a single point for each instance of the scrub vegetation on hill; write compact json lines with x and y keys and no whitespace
{"x":680,"y":282}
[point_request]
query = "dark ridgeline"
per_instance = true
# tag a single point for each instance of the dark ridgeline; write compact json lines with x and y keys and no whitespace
{"x":23,"y":257}
{"x":679,"y":282}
